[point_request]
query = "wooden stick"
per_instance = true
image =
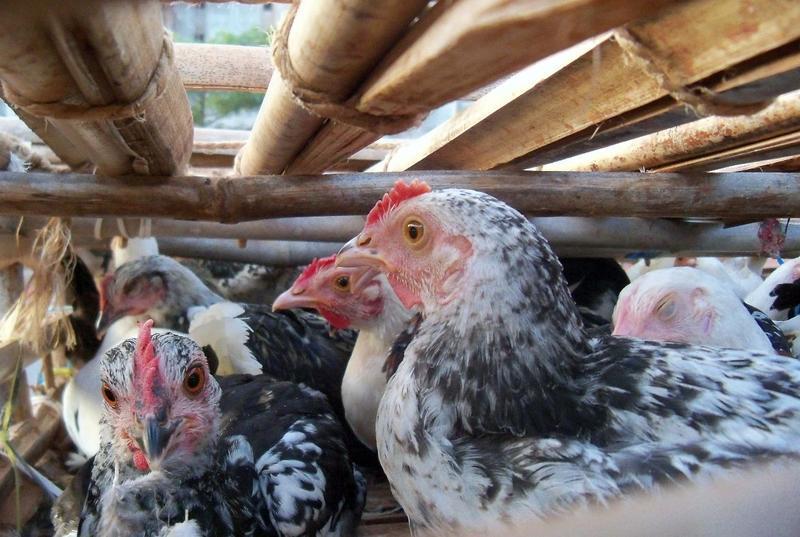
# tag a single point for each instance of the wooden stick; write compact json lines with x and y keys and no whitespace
{"x":566,"y":233}
{"x":511,"y":124}
{"x":214,"y":147}
{"x":570,"y":236}
{"x":31,"y":439}
{"x":460,"y":49}
{"x":67,"y":61}
{"x":742,"y":196}
{"x":326,"y":47}
{"x":779,"y":146}
{"x":223,"y":67}
{"x":704,"y":137}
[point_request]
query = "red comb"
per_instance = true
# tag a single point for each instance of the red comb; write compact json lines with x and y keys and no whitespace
{"x":315,"y":266}
{"x":398,"y":194}
{"x":145,"y":365}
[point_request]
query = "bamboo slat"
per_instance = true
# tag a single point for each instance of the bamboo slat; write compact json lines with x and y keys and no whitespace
{"x":691,"y":141}
{"x":450,"y":56}
{"x":779,"y":146}
{"x":223,"y":67}
{"x":693,"y":40}
{"x":332,"y":45}
{"x":81,"y":65}
{"x":738,"y":196}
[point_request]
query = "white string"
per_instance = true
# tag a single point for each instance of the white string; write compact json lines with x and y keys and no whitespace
{"x":121,"y":228}
{"x":98,"y":229}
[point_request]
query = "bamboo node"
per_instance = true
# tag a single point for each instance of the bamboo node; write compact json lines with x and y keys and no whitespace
{"x":85,"y":112}
{"x":323,"y":105}
{"x":703,"y":101}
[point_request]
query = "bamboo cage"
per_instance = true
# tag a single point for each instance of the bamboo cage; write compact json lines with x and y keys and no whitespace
{"x":621,"y":129}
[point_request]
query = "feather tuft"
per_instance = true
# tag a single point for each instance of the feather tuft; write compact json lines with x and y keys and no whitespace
{"x":398,"y":194}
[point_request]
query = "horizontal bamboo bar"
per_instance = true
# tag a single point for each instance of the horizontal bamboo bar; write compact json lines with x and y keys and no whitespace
{"x":701,"y":138}
{"x":571,"y":236}
{"x":215,"y":147}
{"x":464,"y":47}
{"x":740,"y":196}
{"x":207,"y":67}
{"x":691,"y":41}
{"x":331,"y":46}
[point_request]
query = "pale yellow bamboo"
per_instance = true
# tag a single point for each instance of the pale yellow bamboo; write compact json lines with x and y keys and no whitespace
{"x":332,"y":45}
{"x":92,"y":54}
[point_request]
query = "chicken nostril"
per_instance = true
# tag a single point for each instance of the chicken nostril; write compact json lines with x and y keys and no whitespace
{"x":364,"y":240}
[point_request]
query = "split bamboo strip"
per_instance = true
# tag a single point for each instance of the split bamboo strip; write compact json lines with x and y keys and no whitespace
{"x":102,"y":75}
{"x":692,"y":41}
{"x":223,"y":67}
{"x":465,"y":47}
{"x":31,"y":440}
{"x":780,"y":146}
{"x":225,"y":199}
{"x":575,"y":235}
{"x":704,"y":137}
{"x":332,"y":45}
{"x":272,"y":253}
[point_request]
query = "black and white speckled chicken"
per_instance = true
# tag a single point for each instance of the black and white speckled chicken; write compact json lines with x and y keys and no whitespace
{"x":502,"y":408}
{"x":594,"y":284}
{"x":246,"y":338}
{"x":245,"y":455}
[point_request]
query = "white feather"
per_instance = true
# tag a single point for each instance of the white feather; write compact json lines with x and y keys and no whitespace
{"x":760,"y":297}
{"x":219,"y":327}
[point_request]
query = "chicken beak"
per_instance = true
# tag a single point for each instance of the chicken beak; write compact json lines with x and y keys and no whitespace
{"x":294,"y":299}
{"x":360,"y":252}
{"x":155,"y":438}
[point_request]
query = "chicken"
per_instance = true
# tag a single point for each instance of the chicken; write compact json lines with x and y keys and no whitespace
{"x":292,"y":346}
{"x":502,"y":408}
{"x":781,"y":281}
{"x":242,"y":456}
{"x":686,"y":305}
{"x":735,"y":273}
{"x":361,"y":299}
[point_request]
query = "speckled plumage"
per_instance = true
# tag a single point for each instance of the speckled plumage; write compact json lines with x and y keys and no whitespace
{"x":275,"y":463}
{"x":502,"y":407}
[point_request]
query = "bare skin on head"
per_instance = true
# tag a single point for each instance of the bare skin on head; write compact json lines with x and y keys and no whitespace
{"x":686,"y":305}
{"x":362,"y":299}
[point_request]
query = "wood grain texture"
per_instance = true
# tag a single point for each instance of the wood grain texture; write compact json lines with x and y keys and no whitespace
{"x":225,"y":199}
{"x":332,"y":45}
{"x":96,"y":53}
{"x":698,"y":38}
{"x":694,"y":141}
{"x":462,"y":48}
{"x":206,"y":67}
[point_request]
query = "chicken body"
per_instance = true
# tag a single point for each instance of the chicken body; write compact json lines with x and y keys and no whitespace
{"x":245,"y":456}
{"x":502,"y":408}
{"x":364,"y":300}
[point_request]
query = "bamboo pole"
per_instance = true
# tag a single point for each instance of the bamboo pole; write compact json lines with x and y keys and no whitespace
{"x":691,"y":41}
{"x":701,"y":138}
{"x":212,"y":147}
{"x":569,"y":235}
{"x":739,"y":196}
{"x":464,"y":47}
{"x":101,"y":73}
{"x":332,"y":45}
{"x":223,"y":67}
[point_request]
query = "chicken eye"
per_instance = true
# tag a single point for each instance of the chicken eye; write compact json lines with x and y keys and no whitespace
{"x":109,"y":396}
{"x":666,"y":309}
{"x":413,"y":231}
{"x":342,"y":283}
{"x":195,"y":380}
